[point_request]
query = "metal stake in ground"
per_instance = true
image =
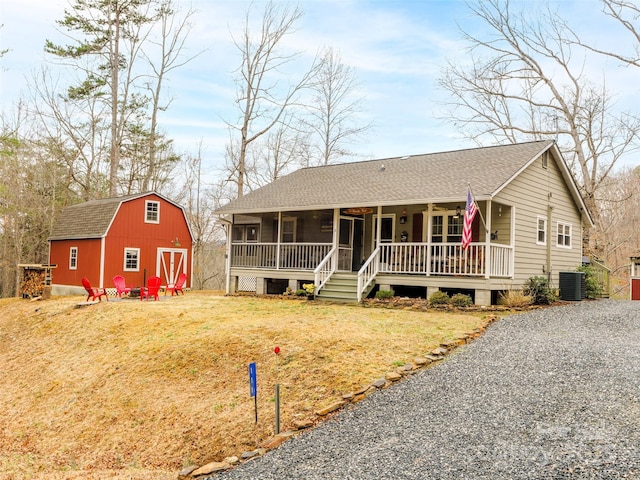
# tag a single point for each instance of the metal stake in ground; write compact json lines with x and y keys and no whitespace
{"x":277,"y":352}
{"x":277,"y":408}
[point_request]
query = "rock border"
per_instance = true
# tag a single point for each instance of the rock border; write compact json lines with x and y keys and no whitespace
{"x":433,"y":357}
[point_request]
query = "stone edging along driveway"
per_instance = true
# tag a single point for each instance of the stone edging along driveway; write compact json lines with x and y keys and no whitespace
{"x":552,"y":393}
{"x":429,"y":359}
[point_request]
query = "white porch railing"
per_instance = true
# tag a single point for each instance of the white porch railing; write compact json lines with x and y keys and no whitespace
{"x":325,"y":269}
{"x":368,"y":273}
{"x":445,"y":259}
{"x":290,"y":256}
{"x":400,"y":258}
{"x":501,"y":261}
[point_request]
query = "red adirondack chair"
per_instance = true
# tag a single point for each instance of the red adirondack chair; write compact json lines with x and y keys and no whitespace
{"x":93,"y":292}
{"x":177,"y":287}
{"x":121,"y":286}
{"x":151,"y":290}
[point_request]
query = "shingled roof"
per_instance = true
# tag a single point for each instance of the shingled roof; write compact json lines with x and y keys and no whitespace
{"x":90,"y":219}
{"x":436,"y":177}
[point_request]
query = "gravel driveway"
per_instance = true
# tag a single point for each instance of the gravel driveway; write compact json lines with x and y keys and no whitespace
{"x":554,"y":393}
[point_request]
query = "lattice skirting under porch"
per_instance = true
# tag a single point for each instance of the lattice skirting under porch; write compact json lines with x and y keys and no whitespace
{"x":247,"y":284}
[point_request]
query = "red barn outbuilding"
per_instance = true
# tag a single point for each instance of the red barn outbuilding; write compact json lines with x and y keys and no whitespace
{"x":136,"y":236}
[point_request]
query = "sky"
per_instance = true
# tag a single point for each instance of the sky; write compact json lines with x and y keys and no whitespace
{"x":396,"y":47}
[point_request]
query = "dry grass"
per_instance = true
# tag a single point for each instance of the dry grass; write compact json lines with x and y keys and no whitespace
{"x":139,"y":390}
{"x":516,"y":299}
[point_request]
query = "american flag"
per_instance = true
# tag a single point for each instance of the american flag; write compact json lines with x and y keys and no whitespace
{"x":469,"y":214}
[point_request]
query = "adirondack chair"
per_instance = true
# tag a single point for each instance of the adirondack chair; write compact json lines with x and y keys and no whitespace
{"x":177,"y":287}
{"x":151,"y":290}
{"x":92,"y":292}
{"x":121,"y":286}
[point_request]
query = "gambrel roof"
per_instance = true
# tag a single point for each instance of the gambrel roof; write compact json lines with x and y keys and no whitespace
{"x":92,"y":219}
{"x":416,"y":179}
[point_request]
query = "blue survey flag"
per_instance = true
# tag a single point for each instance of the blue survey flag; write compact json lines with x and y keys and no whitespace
{"x":253,"y":379}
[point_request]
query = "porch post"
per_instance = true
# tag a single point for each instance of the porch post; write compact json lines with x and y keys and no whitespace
{"x":227,"y":260}
{"x":336,"y":239}
{"x":487,"y":241}
{"x":278,"y":241}
{"x":428,"y":239}
{"x":379,"y":226}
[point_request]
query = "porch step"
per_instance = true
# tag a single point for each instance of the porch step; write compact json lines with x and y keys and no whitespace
{"x":341,"y":287}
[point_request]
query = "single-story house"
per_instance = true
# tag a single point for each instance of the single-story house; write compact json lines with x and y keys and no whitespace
{"x":136,"y":236}
{"x":396,"y":223}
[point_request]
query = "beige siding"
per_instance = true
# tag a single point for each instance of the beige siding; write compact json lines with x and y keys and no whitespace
{"x":532,"y":193}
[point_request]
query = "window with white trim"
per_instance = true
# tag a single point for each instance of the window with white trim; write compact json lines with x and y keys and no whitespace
{"x":447,"y":228}
{"x":541,"y":239}
{"x":152,"y":212}
{"x":387,"y":228}
{"x":73,"y":258}
{"x":454,"y":228}
{"x":437,"y":228}
{"x":131,"y":259}
{"x":246,"y":233}
{"x":564,"y":235}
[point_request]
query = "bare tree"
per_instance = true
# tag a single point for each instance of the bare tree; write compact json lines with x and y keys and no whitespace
{"x":334,"y":108}
{"x":199,"y":201}
{"x":170,"y":47}
{"x":125,"y":49}
{"x":31,"y":188}
{"x":627,"y":14}
{"x":261,"y":100}
{"x":73,"y":130}
{"x":104,"y":28}
{"x":524,"y":82}
{"x":619,"y":234}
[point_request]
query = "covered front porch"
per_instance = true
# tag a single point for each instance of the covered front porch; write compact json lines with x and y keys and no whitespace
{"x":403,"y":240}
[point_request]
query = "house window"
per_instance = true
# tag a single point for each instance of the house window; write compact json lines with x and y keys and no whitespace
{"x":454,"y":228}
{"x":545,"y":159}
{"x":73,"y":258}
{"x":245,"y":233}
{"x":131,"y":259}
{"x":446,"y":228}
{"x":437,"y":228}
{"x":542,"y":231}
{"x":564,"y":235}
{"x":289,"y":225}
{"x":152,"y":212}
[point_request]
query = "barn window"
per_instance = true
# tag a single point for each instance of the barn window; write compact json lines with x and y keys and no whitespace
{"x":131,"y":259}
{"x":73,"y":258}
{"x":152,"y":210}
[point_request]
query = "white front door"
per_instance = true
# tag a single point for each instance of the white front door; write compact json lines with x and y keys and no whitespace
{"x":170,"y":263}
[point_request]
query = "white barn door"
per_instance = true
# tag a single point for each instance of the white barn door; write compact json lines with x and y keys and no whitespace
{"x":170,"y":263}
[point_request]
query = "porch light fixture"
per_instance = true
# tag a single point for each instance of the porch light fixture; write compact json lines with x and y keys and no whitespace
{"x":403,"y":217}
{"x":499,"y":210}
{"x":458,"y":211}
